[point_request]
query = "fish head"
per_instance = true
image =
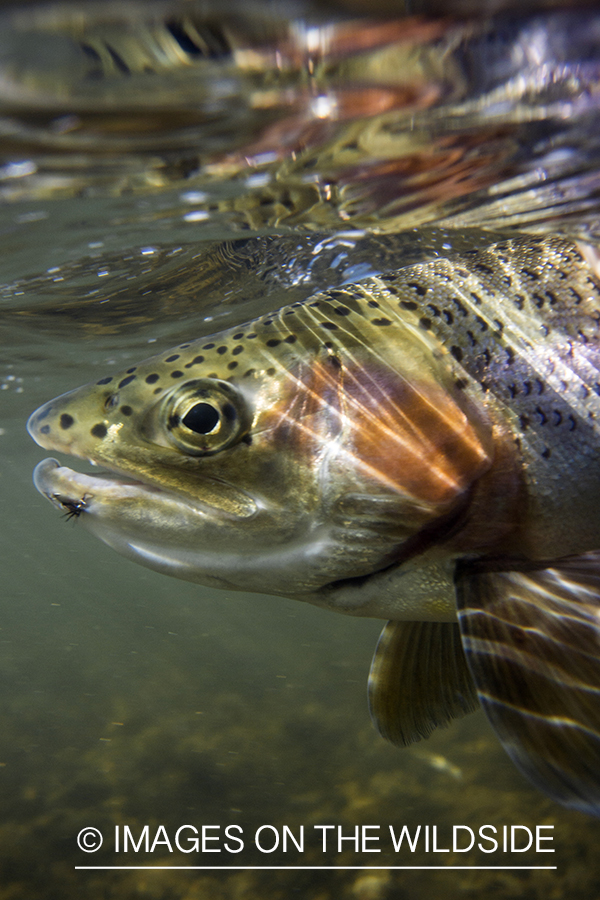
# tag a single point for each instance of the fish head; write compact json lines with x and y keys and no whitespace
{"x":268,"y":458}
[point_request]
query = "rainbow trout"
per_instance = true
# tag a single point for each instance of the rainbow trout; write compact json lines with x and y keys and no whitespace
{"x":422,"y":446}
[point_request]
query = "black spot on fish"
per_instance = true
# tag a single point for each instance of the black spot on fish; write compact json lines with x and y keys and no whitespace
{"x":126,"y":410}
{"x":291,"y":339}
{"x":45,"y":429}
{"x":221,"y":350}
{"x":66,"y":421}
{"x":342,"y":310}
{"x":456,"y":353}
{"x":425,"y":324}
{"x":172,"y":358}
{"x":519,"y":301}
{"x":274,"y":342}
{"x":249,"y":373}
{"x":99,"y":430}
{"x":449,"y":318}
{"x":524,"y":422}
{"x":373,"y":304}
{"x":106,"y":380}
{"x":118,"y":60}
{"x":208,"y":346}
{"x":195,"y":362}
{"x":229,"y":412}
{"x":510,"y":355}
{"x":481,"y":322}
{"x":232,"y":365}
{"x":533,"y":275}
{"x":481,"y":267}
{"x":433,"y":309}
{"x":157,"y":390}
{"x":173,"y":421}
{"x":330,"y":326}
{"x":43,"y":415}
{"x":133,"y":368}
{"x":238,"y":336}
{"x":381,"y":322}
{"x":542,"y":415}
{"x":409,"y":304}
{"x":538,"y":301}
{"x":460,"y":384}
{"x":250,"y":337}
{"x":499,"y":326}
{"x":572,"y":423}
{"x":513,"y":390}
{"x":557,"y":417}
{"x":476,"y":298}
{"x":127,"y":381}
{"x":183,"y":346}
{"x":421,"y":291}
{"x":236,"y":351}
{"x":152,"y":379}
{"x":176,"y":373}
{"x":460,"y":307}
{"x":270,"y":372}
{"x":546,"y":453}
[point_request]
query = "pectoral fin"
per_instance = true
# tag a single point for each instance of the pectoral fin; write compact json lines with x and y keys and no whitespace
{"x":532,"y":640}
{"x":419,"y":680}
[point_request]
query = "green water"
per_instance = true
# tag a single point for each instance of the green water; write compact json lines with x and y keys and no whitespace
{"x":131,"y":700}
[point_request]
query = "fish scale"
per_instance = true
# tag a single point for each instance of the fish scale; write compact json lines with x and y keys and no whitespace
{"x":421,"y":446}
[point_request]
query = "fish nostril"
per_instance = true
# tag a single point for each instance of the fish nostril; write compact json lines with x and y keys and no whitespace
{"x":111,"y":401}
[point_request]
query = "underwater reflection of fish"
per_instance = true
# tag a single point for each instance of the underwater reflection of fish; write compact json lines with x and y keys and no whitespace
{"x":421,"y":446}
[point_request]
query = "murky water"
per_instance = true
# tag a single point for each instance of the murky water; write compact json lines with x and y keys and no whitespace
{"x":167,"y":172}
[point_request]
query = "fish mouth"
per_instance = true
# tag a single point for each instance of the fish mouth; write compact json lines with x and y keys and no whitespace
{"x":75,"y":492}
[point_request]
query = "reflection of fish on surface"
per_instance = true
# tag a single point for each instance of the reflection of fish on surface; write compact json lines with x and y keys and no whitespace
{"x":421,"y":443}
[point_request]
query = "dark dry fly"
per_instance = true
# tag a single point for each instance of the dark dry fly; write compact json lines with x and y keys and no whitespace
{"x":74,"y":508}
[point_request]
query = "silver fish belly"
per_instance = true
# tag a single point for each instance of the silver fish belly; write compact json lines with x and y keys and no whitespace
{"x":421,"y":446}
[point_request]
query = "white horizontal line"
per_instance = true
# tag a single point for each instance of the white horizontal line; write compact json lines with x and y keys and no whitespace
{"x":311,"y":868}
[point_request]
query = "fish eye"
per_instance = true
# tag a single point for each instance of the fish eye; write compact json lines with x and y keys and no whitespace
{"x":202,"y":418}
{"x":205,"y":416}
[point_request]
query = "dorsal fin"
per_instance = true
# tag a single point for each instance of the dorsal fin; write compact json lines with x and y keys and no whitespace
{"x":419,"y":680}
{"x":532,"y":640}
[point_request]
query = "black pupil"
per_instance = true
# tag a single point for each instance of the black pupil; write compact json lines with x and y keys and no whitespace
{"x":201,"y":418}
